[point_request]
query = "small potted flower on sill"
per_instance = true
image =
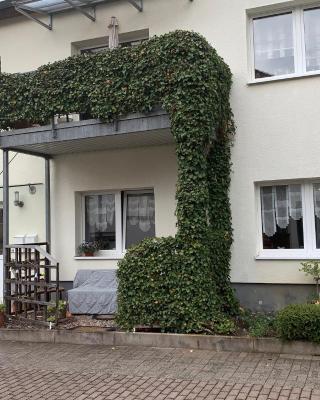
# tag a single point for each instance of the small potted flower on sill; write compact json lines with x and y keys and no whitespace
{"x":88,"y":248}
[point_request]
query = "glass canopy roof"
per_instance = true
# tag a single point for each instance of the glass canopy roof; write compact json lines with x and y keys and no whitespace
{"x":32,"y":8}
{"x":51,"y":6}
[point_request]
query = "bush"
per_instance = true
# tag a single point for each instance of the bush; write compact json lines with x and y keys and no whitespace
{"x":163,"y":282}
{"x":299,"y":321}
{"x":261,"y":326}
{"x":256,"y":324}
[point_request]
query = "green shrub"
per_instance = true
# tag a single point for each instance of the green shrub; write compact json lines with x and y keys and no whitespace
{"x":224,"y":326}
{"x":160,"y":284}
{"x":2,"y":307}
{"x":299,"y":321}
{"x":181,"y":283}
{"x":312,"y":268}
{"x":261,"y":326}
{"x":256,"y":324}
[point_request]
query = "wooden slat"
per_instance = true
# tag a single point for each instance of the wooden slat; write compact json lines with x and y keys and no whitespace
{"x":31,"y":301}
{"x":12,"y":264}
{"x":31,"y":283}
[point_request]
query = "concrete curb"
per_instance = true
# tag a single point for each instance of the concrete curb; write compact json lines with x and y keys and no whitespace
{"x":164,"y":340}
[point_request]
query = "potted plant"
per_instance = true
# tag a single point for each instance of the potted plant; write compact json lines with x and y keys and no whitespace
{"x":62,"y":309}
{"x":88,"y":248}
{"x":2,"y":316}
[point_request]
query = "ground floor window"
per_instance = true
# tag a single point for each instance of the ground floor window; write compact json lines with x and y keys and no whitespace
{"x":118,"y":220}
{"x":290,"y":220}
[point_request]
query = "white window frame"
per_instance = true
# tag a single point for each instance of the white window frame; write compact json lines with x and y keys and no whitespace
{"x":298,"y":40}
{"x":124,"y":215}
{"x":109,"y":254}
{"x":309,"y":231}
{"x":120,"y":215}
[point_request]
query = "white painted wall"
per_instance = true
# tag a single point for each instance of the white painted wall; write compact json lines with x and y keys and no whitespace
{"x":277,"y":123}
{"x":30,"y":218}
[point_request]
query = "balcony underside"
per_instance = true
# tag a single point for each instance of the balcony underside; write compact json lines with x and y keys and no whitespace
{"x":134,"y":130}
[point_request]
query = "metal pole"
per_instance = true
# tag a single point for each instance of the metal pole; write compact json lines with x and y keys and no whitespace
{"x":5,"y":222}
{"x":48,"y":204}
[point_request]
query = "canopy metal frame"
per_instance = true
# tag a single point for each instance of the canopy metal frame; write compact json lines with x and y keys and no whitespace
{"x":33,"y":9}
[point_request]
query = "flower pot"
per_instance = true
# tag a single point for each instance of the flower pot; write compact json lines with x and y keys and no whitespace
{"x":2,"y":320}
{"x":89,"y":254}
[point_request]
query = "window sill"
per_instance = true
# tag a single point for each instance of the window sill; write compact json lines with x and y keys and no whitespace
{"x":111,"y":257}
{"x":280,"y":257}
{"x":283,"y":78}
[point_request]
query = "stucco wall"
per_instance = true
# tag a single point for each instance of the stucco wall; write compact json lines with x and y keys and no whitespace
{"x":277,"y":123}
{"x":29,"y":219}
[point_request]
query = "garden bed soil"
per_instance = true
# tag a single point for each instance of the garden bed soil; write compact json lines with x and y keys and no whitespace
{"x":77,"y":322}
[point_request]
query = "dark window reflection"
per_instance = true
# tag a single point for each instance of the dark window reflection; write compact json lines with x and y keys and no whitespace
{"x":282,"y":217}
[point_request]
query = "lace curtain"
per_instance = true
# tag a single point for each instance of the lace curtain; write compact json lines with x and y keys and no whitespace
{"x":100,"y":212}
{"x":140,"y":211}
{"x":278,"y":205}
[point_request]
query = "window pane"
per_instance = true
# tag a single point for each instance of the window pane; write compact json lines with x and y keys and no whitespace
{"x":100,"y":220}
{"x":273,"y":45}
{"x":312,"y":38}
{"x":316,"y":199}
{"x":139,"y":218}
{"x":103,"y":49}
{"x":282,"y":217}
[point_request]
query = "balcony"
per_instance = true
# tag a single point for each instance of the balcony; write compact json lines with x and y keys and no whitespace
{"x":134,"y":130}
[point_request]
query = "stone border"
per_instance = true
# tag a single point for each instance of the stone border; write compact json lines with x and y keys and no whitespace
{"x":164,"y":340}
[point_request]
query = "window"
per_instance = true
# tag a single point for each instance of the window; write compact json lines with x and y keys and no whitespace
{"x":290,"y":220}
{"x":286,"y":44}
{"x":100,"y":220}
{"x":118,"y":220}
{"x":138,"y":217}
{"x":104,"y":48}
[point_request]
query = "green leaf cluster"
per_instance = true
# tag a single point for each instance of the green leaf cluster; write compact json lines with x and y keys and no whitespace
{"x":299,"y":322}
{"x":178,"y":283}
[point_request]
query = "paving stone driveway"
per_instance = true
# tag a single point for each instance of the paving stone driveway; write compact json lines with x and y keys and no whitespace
{"x":46,"y":371}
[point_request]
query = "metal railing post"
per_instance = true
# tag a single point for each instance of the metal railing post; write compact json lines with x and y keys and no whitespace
{"x":5,"y":226}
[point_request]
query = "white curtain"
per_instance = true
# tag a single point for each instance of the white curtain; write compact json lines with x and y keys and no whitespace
{"x":140,"y":211}
{"x":278,"y":205}
{"x":100,"y":212}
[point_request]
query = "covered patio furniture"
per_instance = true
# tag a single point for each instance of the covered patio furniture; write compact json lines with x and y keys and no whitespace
{"x":94,"y":292}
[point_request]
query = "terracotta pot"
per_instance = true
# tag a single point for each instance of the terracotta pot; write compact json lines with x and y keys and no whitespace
{"x":2,"y":320}
{"x":89,"y":254}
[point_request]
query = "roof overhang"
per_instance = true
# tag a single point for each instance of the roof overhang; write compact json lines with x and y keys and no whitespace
{"x":134,"y":130}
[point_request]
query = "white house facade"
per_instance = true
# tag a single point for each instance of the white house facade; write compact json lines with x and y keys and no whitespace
{"x":273,"y":50}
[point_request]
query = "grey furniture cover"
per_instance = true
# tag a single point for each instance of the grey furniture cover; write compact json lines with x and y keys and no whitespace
{"x":94,"y":292}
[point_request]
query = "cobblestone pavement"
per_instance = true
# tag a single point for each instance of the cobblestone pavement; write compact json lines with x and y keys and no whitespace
{"x":45,"y":371}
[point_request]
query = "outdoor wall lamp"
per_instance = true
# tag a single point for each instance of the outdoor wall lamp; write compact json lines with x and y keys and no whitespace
{"x":17,"y":202}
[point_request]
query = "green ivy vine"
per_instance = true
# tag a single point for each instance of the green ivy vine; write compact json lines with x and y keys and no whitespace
{"x":179,"y":283}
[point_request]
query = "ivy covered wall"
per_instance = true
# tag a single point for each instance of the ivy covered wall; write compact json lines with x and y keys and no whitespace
{"x":179,"y":283}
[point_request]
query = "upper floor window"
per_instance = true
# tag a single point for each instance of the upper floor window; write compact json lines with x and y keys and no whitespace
{"x":286,"y":44}
{"x":104,"y":48}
